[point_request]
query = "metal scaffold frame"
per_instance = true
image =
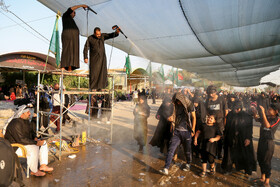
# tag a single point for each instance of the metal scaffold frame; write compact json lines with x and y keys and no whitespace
{"x":62,"y":93}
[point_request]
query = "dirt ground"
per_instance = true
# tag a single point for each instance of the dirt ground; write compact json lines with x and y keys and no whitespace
{"x":118,"y":163}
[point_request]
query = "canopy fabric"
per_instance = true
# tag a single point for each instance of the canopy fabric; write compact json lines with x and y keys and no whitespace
{"x":237,"y":42}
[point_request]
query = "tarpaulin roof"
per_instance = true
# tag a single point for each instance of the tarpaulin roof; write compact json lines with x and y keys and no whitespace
{"x":237,"y":42}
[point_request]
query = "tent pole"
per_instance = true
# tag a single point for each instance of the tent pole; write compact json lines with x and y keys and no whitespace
{"x":112,"y":108}
{"x":37,"y":107}
{"x":61,"y":114}
{"x":89,"y":109}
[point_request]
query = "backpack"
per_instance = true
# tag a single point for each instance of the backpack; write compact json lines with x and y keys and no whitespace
{"x":10,"y":169}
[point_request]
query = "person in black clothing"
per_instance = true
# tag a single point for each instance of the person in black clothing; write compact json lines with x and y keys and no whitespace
{"x":106,"y":105}
{"x":274,"y":99}
{"x":210,"y":134}
{"x":200,"y":112}
{"x":263,"y":101}
{"x":231,"y":100}
{"x":93,"y":106}
{"x":45,"y":105}
{"x":2,"y":95}
{"x":162,"y":133}
{"x":143,"y":92}
{"x":269,"y":125}
{"x":238,"y":144}
{"x":98,"y":61}
{"x":70,"y":40}
{"x":183,"y":125}
{"x":65,"y":111}
{"x":216,"y":105}
{"x":141,"y":113}
{"x":246,"y":102}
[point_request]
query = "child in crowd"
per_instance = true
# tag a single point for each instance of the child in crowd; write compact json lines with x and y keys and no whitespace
{"x":210,"y":134}
{"x":269,"y":124}
{"x":141,"y":113}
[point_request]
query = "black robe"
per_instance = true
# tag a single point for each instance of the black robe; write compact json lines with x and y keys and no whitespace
{"x":239,"y":126}
{"x":208,"y":132}
{"x":141,"y":123}
{"x":162,"y":133}
{"x":93,"y":103}
{"x":266,"y":145}
{"x":21,"y":131}
{"x":97,"y":60}
{"x":106,"y":103}
{"x":70,"y":42}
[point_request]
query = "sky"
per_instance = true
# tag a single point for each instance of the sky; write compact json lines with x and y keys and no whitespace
{"x":17,"y":36}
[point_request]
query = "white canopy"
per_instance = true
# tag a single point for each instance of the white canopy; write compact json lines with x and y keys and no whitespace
{"x":237,"y":42}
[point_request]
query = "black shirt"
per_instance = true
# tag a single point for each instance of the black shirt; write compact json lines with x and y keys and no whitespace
{"x":217,"y":107}
{"x":21,"y":131}
{"x":268,"y":133}
{"x":181,"y":117}
{"x":208,"y":132}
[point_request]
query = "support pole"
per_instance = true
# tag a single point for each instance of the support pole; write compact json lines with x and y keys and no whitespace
{"x":61,"y":114}
{"x":37,"y":107}
{"x":79,"y":85}
{"x":89,"y":109}
{"x":112,"y":108}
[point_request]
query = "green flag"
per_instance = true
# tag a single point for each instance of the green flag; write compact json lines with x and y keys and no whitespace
{"x":149,"y":69}
{"x":176,"y":77}
{"x":171,"y":75}
{"x":127,"y":66}
{"x":54,"y":44}
{"x":161,"y":72}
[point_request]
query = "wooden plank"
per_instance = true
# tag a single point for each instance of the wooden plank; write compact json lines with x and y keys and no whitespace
{"x":87,"y":92}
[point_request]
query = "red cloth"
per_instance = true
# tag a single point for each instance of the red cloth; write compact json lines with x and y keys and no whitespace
{"x":12,"y":96}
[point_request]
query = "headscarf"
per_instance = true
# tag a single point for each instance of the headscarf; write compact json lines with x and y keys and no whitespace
{"x":20,"y":110}
{"x":185,"y":101}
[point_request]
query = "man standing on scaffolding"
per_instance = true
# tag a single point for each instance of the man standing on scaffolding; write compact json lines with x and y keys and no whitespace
{"x":98,"y":61}
{"x":70,"y":40}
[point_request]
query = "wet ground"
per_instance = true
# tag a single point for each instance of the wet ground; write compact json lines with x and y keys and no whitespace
{"x":119,"y":164}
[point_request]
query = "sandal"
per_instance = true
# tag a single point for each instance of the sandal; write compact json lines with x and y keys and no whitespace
{"x":212,"y":170}
{"x":202,"y":174}
{"x":46,"y":169}
{"x":258,"y":180}
{"x":38,"y":174}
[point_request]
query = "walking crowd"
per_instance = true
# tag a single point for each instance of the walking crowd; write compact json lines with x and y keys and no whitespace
{"x":207,"y":125}
{"x":212,"y":125}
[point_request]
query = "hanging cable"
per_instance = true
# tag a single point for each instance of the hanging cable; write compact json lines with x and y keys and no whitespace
{"x":7,"y":10}
{"x":24,"y":28}
{"x":31,"y":21}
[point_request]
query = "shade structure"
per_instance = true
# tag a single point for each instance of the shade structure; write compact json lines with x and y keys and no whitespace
{"x":234,"y":41}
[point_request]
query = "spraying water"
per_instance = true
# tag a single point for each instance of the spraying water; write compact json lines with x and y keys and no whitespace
{"x":137,"y":48}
